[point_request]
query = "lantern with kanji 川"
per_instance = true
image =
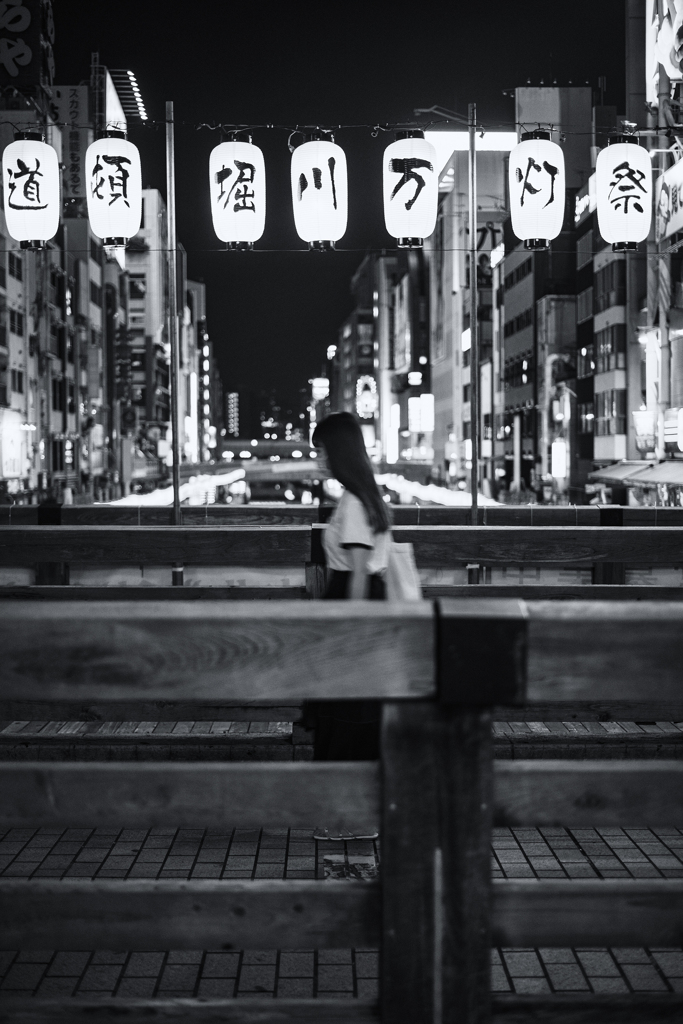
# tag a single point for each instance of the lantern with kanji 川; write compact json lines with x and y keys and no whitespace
{"x":319,"y":192}
{"x":30,"y":174}
{"x":537,"y":189}
{"x":114,"y":188}
{"x":623,"y":186}
{"x":237,"y":183}
{"x":411,"y":188}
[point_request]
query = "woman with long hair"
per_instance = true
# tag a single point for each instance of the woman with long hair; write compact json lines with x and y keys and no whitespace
{"x":356,"y":544}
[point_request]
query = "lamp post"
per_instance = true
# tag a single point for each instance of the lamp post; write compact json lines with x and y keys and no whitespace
{"x":173,"y":323}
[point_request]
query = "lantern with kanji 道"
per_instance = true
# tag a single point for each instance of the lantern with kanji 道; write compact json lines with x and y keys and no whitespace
{"x":114,"y":188}
{"x":537,"y":189}
{"x":319,"y":193}
{"x":623,"y":186}
{"x":237,"y":183}
{"x":30,"y":174}
{"x":411,"y":189}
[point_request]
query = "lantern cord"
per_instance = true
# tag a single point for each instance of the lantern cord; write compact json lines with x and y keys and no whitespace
{"x":374,"y":251}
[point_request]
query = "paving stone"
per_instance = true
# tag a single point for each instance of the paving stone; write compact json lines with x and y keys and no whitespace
{"x":257,"y":979}
{"x":523,"y":965}
{"x":136,"y":988}
{"x":531,"y":986}
{"x":100,"y":978}
{"x":179,"y":977}
{"x":216,"y":988}
{"x":68,"y":965}
{"x":220,"y":965}
{"x":144,"y":965}
{"x":566,"y":978}
{"x":295,"y":988}
{"x":335,"y":978}
{"x":53,"y":987}
{"x":23,"y":977}
{"x":643,"y":978}
{"x":297,"y":965}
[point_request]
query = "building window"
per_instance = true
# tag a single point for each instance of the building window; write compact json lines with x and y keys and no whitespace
{"x":610,"y":412}
{"x":466,"y":393}
{"x":519,"y":273}
{"x":71,"y":397}
{"x":586,"y":417}
{"x":524,"y":319}
{"x":611,"y":346}
{"x":95,"y":294}
{"x":137,"y":286}
{"x":584,"y":305}
{"x":57,"y":456}
{"x":586,"y":362}
{"x":519,"y":371}
{"x":610,"y":286}
{"x":17,"y":377}
{"x":16,"y":265}
{"x":57,"y":394}
{"x":16,"y":322}
{"x":584,"y":250}
{"x":95,"y":251}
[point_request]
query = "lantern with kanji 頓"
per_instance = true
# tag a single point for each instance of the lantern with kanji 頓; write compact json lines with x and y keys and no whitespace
{"x":411,"y":188}
{"x":623,"y":187}
{"x":30,"y":174}
{"x":237,"y":183}
{"x":114,"y":188}
{"x":319,"y":193}
{"x":537,"y":189}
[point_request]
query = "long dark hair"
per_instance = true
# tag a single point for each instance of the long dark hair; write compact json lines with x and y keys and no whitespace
{"x":342,"y":438}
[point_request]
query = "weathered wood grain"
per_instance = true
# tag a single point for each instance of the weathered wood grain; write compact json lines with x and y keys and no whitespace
{"x":204,"y":651}
{"x":196,"y":795}
{"x":451,"y":546}
{"x":156,"y":545}
{"x":206,"y":515}
{"x":584,"y":1008}
{"x":611,"y":651}
{"x":139,"y":593}
{"x":551,"y":592}
{"x":588,"y":912}
{"x":138,"y":914}
{"x":589,"y":711}
{"x":588,"y":793}
{"x":17,"y":1010}
{"x":145,"y":711}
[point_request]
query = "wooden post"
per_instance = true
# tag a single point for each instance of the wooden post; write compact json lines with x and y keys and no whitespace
{"x":437,"y":798}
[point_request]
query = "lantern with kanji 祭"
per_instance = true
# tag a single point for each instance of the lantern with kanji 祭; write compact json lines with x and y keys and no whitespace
{"x":537,"y":189}
{"x":30,"y":174}
{"x":237,"y":183}
{"x":623,"y":186}
{"x":411,"y":188}
{"x":319,"y":192}
{"x":114,"y":188}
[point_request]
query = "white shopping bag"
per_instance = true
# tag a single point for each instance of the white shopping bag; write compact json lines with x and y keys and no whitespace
{"x":402,"y":580}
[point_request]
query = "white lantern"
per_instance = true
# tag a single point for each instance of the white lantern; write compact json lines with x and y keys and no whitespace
{"x":623,"y":185}
{"x":114,"y":188}
{"x":30,"y":173}
{"x":237,"y":183}
{"x":411,"y":189}
{"x":537,"y":189}
{"x":319,"y":193}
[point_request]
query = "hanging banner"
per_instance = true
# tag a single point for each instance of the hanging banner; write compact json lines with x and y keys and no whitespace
{"x":27,"y":35}
{"x":669,"y":202}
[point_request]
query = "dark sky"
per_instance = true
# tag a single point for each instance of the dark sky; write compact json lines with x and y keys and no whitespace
{"x":272,"y":313}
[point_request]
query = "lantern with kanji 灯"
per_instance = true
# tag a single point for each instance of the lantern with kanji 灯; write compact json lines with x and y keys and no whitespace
{"x":623,"y":186}
{"x":237,"y":183}
{"x":411,"y":189}
{"x":30,"y":174}
{"x":114,"y":188}
{"x":537,"y":189}
{"x":319,"y":193}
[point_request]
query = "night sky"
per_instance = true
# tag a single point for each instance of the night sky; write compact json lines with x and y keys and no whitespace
{"x":272,"y":313}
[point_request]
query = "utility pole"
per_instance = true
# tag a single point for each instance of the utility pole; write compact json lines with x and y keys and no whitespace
{"x":173,"y":323}
{"x":474,"y":325}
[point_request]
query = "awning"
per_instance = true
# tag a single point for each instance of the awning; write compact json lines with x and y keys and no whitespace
{"x":619,"y":473}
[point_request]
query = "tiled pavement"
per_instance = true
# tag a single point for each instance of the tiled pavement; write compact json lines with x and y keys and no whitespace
{"x":282,"y":853}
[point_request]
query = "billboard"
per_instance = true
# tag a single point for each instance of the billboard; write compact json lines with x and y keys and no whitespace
{"x":669,"y":202}
{"x":27,"y":35}
{"x":663,"y":44}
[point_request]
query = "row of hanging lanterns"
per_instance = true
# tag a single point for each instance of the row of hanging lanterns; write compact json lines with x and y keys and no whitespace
{"x":623,"y":185}
{"x":319,"y":182}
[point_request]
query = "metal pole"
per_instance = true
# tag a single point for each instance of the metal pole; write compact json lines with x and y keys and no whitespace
{"x":173,"y":320}
{"x":474,"y":325}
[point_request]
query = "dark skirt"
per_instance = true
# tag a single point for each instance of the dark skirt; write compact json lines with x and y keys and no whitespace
{"x":346,"y":730}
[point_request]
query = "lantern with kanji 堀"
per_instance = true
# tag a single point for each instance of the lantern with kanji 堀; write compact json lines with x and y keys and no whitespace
{"x":237,"y":183}
{"x":30,"y":174}
{"x":114,"y":188}
{"x":319,"y":193}
{"x":411,"y":189}
{"x":537,"y":189}
{"x":623,"y":186}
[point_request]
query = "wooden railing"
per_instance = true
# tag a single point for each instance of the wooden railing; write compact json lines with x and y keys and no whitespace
{"x":438,"y":671}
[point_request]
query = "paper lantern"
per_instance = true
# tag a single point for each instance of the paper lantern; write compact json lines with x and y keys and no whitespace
{"x":537,"y":189}
{"x":114,"y":188}
{"x":30,"y":172}
{"x":319,"y":193}
{"x":623,"y":185}
{"x":237,"y":183}
{"x":411,"y":189}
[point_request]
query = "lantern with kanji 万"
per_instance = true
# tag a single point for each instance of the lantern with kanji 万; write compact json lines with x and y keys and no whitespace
{"x":237,"y":183}
{"x":623,"y":186}
{"x":411,"y":189}
{"x":319,"y":192}
{"x":114,"y":188}
{"x":537,"y":189}
{"x":30,"y":174}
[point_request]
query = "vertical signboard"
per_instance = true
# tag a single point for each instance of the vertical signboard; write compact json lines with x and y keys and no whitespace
{"x":27,"y":36}
{"x":72,"y":103}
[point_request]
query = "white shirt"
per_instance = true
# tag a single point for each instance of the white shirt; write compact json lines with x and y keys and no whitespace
{"x":349,"y":526}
